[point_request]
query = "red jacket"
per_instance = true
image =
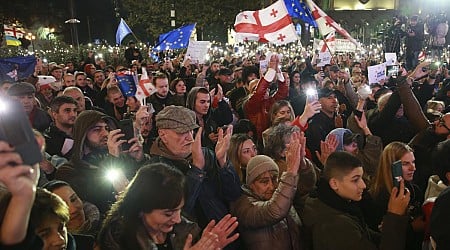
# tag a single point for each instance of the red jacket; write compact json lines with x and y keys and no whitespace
{"x":257,"y":108}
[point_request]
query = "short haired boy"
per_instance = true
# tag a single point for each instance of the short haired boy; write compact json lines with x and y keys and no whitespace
{"x":334,"y":219}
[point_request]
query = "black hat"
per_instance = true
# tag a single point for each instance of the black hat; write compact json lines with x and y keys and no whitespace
{"x":21,"y":89}
{"x":325,"y":92}
{"x":225,"y":71}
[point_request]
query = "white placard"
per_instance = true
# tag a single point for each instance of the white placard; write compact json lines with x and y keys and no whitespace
{"x":344,"y":45}
{"x":197,"y":51}
{"x":391,"y":59}
{"x":376,"y":73}
{"x":324,"y":58}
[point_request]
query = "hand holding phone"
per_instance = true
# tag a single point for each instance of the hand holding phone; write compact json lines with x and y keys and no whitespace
{"x":126,"y":128}
{"x":397,"y":173}
{"x":16,"y":130}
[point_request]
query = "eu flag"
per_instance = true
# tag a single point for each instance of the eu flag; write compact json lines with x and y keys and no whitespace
{"x":175,"y":39}
{"x":126,"y":84}
{"x":122,"y":31}
{"x":16,"y":68}
{"x":297,"y":9}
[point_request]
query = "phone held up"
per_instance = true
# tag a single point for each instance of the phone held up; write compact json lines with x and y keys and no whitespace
{"x":16,"y":130}
{"x":397,"y":173}
{"x":127,"y":128}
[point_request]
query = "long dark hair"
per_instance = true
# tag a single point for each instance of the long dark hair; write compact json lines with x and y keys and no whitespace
{"x":155,"y":186}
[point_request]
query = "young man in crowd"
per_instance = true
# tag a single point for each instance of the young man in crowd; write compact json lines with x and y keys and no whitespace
{"x":334,"y":220}
{"x":58,"y":137}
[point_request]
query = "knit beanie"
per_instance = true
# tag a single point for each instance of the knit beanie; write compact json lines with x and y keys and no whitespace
{"x":258,"y":165}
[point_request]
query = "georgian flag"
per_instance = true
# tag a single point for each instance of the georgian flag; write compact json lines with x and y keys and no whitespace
{"x":326,"y":24}
{"x":13,"y":31}
{"x":145,"y":87}
{"x":272,"y":24}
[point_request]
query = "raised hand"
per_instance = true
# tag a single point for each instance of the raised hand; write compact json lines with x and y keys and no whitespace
{"x":114,"y":142}
{"x":293,"y":152}
{"x":197,"y":154}
{"x":208,"y":241}
{"x":223,"y":230}
{"x":326,"y":148}
{"x":223,"y":144}
{"x":399,"y":199}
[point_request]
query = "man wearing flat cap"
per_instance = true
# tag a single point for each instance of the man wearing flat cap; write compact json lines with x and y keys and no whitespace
{"x":25,"y":93}
{"x":211,"y":179}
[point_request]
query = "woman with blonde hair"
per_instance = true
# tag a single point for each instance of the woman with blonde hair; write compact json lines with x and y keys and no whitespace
{"x":383,"y":182}
{"x":242,"y":149}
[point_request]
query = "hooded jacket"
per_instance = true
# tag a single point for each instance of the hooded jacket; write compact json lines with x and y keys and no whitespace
{"x":214,"y":119}
{"x":86,"y":172}
{"x":369,"y":153}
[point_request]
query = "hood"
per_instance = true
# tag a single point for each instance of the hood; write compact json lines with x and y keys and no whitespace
{"x":84,"y":121}
{"x":339,"y":133}
{"x":435,"y":187}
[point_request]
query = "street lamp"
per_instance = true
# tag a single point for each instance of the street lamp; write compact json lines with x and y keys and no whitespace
{"x":31,"y":37}
{"x":73,"y":30}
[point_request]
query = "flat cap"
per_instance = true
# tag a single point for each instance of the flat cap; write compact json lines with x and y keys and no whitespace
{"x":177,"y":118}
{"x":21,"y":89}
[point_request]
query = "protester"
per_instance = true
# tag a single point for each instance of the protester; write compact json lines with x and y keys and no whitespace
{"x":146,"y":218}
{"x":213,"y":183}
{"x":267,"y":219}
{"x":242,"y":149}
{"x":334,"y":219}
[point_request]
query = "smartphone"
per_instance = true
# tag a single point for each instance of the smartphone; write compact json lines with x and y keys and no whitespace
{"x":127,"y":128}
{"x":397,"y":173}
{"x":15,"y":129}
{"x":358,"y":113}
{"x":393,"y":70}
{"x":311,"y":95}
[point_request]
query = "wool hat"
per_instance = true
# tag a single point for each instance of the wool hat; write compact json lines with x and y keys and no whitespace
{"x":21,"y":89}
{"x":258,"y":165}
{"x":177,"y":118}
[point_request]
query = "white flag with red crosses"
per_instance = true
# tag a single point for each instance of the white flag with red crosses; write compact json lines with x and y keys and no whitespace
{"x":144,"y":87}
{"x":272,"y":24}
{"x":326,"y":24}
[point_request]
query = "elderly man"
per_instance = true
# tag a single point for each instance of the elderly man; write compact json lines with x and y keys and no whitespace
{"x":211,"y":179}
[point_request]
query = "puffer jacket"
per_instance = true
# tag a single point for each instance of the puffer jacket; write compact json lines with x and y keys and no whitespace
{"x":272,"y":224}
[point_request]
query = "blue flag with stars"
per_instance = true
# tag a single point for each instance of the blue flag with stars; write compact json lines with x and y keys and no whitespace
{"x":175,"y":39}
{"x":297,"y":9}
{"x":126,"y":84}
{"x":122,"y":31}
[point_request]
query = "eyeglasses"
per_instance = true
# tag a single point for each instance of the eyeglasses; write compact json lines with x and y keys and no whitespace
{"x":442,"y":123}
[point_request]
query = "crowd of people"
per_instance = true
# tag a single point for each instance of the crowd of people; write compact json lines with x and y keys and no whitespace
{"x":230,"y":155}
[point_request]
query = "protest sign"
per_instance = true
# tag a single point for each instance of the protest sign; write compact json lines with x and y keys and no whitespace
{"x":197,"y":51}
{"x":376,"y":73}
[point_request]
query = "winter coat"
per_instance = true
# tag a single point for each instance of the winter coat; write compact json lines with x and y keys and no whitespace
{"x":257,"y":108}
{"x":209,"y":190}
{"x":272,"y":224}
{"x":335,"y":223}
